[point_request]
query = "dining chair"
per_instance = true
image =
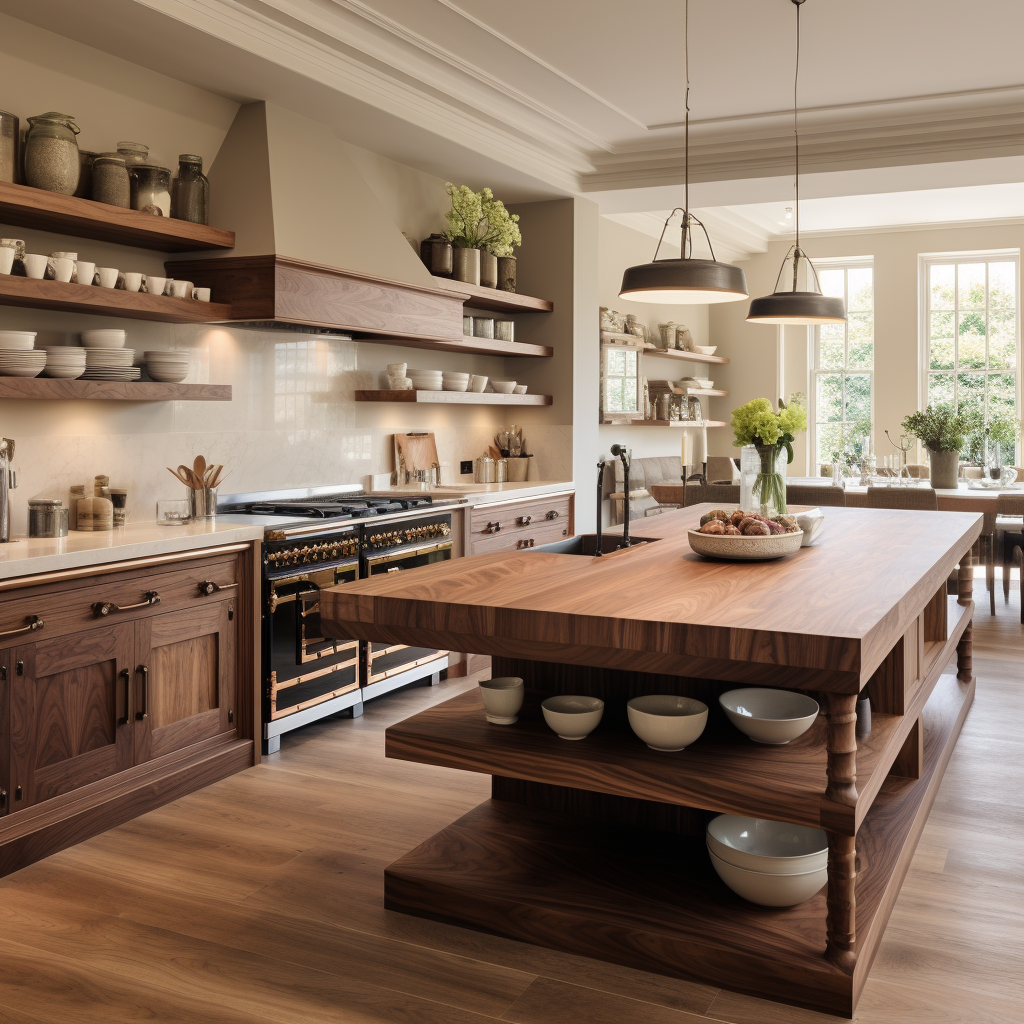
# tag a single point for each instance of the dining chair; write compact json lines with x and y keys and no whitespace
{"x":922,"y":499}
{"x":918,"y":471}
{"x":1009,"y":514}
{"x":815,"y":494}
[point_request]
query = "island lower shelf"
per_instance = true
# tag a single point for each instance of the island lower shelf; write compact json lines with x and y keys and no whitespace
{"x":652,"y":901}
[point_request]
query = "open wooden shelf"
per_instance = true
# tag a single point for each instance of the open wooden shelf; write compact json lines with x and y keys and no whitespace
{"x":493,"y":299}
{"x":705,"y":392}
{"x":28,"y":207}
{"x":468,"y":343}
{"x":84,"y":298}
{"x":679,"y":424}
{"x":689,"y":357}
{"x":652,"y":901}
{"x":111,"y":390}
{"x":450,"y":398}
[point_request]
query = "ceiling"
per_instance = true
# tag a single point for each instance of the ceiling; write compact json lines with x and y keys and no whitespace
{"x":543,"y":98}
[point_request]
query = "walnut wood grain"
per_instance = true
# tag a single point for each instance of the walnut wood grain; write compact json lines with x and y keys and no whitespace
{"x":28,"y":207}
{"x":450,"y":398}
{"x":964,"y":596}
{"x":111,"y":391}
{"x":477,"y":297}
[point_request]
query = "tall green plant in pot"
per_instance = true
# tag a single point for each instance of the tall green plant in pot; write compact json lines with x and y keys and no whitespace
{"x":771,"y":433}
{"x":943,"y":431}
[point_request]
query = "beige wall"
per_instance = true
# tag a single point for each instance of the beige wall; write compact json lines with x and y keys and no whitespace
{"x":753,"y":348}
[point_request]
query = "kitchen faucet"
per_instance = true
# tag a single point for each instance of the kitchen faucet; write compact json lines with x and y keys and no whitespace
{"x":624,"y":455}
{"x":8,"y":481}
{"x":600,"y":502}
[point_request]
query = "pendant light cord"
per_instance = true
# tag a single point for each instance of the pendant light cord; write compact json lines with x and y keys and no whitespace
{"x":686,"y":134}
{"x":796,"y":131}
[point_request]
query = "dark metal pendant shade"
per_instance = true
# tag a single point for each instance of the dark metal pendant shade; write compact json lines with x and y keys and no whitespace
{"x":682,"y":281}
{"x":797,"y":308}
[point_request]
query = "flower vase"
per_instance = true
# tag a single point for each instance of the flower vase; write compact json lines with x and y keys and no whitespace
{"x":770,"y":486}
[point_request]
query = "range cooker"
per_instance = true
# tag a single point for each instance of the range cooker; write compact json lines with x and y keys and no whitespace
{"x":329,"y":537}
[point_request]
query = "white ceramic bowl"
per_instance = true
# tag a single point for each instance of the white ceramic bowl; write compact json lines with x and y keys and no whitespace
{"x":477,"y":384}
{"x":667,"y":722}
{"x":503,"y":387}
{"x":17,"y":340}
{"x":760,"y":844}
{"x":769,"y":716}
{"x":456,"y":385}
{"x":742,"y":548}
{"x":766,"y":889}
{"x":104,"y":338}
{"x":519,"y":389}
{"x":705,"y":350}
{"x":167,"y":376}
{"x":503,"y":699}
{"x":572,"y":717}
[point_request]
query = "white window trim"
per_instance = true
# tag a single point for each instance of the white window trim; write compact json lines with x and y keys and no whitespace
{"x":924,"y":261}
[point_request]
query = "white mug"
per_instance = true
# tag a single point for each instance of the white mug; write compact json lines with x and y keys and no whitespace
{"x":35,"y":265}
{"x":477,"y":384}
{"x":62,"y":268}
{"x":181,"y":289}
{"x":132,"y":282}
{"x":108,"y":277}
{"x":6,"y":259}
{"x":86,"y":273}
{"x":502,"y":699}
{"x":201,"y":294}
{"x":156,"y":285}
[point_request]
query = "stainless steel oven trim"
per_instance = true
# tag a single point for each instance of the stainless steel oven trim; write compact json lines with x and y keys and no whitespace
{"x":286,"y":723}
{"x":276,"y":687}
{"x":406,"y":666}
{"x":408,"y":551}
{"x":411,"y":675}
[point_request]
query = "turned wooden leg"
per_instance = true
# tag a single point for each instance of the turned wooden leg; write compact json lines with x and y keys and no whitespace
{"x":964,"y":594}
{"x":842,"y":852}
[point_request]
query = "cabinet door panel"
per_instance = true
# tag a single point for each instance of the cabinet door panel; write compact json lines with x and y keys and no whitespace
{"x":189,"y":678}
{"x":6,"y":668}
{"x":69,"y":713}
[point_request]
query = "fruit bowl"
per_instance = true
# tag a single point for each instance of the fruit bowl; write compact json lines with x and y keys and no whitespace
{"x":745,"y":548}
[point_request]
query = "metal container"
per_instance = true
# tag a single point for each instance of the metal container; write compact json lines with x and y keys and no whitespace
{"x":488,"y":269}
{"x":466,"y":265}
{"x":504,"y":330}
{"x":47,"y":517}
{"x":202,"y":503}
{"x":436,"y":253}
{"x":483,"y":470}
{"x":483,"y":327}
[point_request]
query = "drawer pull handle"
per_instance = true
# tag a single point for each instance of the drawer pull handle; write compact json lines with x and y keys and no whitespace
{"x":126,"y":676}
{"x":209,"y":587}
{"x":144,"y":713}
{"x":493,"y":528}
{"x":34,"y":623}
{"x":102,"y":608}
{"x":553,"y":514}
{"x":526,"y":543}
{"x":524,"y":520}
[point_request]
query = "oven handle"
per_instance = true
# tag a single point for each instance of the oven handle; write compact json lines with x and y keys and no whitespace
{"x":407,"y":552}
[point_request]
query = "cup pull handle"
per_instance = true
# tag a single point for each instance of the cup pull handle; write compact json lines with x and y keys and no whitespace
{"x":209,"y":587}
{"x":103,"y":608}
{"x":34,"y":623}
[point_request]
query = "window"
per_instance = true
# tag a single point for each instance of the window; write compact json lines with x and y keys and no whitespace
{"x":844,"y":362}
{"x":971,"y":332}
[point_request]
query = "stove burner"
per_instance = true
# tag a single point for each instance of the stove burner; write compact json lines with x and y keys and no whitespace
{"x":359,"y":506}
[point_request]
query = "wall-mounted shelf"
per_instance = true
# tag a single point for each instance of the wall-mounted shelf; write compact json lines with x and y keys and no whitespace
{"x":47,"y":211}
{"x":705,"y":392}
{"x":689,"y":357}
{"x":85,"y":298}
{"x":495,"y":299}
{"x":450,"y":398}
{"x":111,"y":391}
{"x":469,"y":344}
{"x":679,"y":424}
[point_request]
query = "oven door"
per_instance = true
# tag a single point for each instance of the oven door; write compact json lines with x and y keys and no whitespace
{"x":384,"y":661}
{"x":306,"y":668}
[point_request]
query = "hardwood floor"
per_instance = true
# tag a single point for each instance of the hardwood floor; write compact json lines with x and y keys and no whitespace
{"x":259,"y":899}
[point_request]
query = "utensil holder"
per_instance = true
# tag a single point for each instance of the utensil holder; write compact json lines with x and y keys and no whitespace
{"x":202,"y":503}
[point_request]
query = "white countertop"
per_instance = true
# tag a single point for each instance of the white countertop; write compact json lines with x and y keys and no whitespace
{"x":480,"y":494}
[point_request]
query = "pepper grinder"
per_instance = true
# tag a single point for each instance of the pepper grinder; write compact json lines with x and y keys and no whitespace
{"x":8,"y":481}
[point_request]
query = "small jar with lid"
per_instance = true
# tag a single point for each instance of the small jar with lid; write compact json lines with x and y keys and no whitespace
{"x":110,"y":182}
{"x":132,"y":153}
{"x":151,"y":189}
{"x":47,"y":518}
{"x":52,"y":160}
{"x":190,"y":190}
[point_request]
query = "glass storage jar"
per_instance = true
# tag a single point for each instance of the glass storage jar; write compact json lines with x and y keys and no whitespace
{"x":151,"y":189}
{"x":190,"y":190}
{"x":52,"y":160}
{"x":110,"y":182}
{"x":133,"y":153}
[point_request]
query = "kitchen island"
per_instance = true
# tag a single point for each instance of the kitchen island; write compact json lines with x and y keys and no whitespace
{"x":597,"y":847}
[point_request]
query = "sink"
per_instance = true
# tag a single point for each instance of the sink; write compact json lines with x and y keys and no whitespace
{"x":586,"y":544}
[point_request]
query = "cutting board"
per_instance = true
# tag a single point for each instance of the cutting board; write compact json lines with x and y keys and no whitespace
{"x":413,"y":452}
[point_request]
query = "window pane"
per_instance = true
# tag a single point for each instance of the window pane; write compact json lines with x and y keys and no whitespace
{"x":971,"y":285}
{"x":832,"y":282}
{"x":1002,"y":340}
{"x":972,"y":340}
{"x":942,"y":344}
{"x":1002,"y":393}
{"x":1002,"y":285}
{"x":829,"y":403}
{"x":862,"y":355}
{"x":616,"y":362}
{"x":613,"y":392}
{"x":858,"y":397}
{"x":830,"y":354}
{"x":861,"y":288}
{"x":629,"y":402}
{"x":940,"y":284}
{"x":630,"y":370}
{"x":970,"y":389}
{"x":940,"y":388}
{"x":830,"y":442}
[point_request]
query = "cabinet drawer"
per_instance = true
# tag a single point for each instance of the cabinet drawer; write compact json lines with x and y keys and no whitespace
{"x":70,"y":607}
{"x":538,"y":512}
{"x":544,"y":533}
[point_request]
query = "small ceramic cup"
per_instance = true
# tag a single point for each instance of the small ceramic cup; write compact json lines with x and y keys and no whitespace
{"x":181,"y":289}
{"x":503,"y":699}
{"x":108,"y":277}
{"x":6,"y":259}
{"x":35,"y":265}
{"x":477,"y":384}
{"x":201,"y":294}
{"x":63,"y":268}
{"x":519,"y":389}
{"x":86,"y":272}
{"x":132,"y":282}
{"x":397,"y":369}
{"x":156,"y":285}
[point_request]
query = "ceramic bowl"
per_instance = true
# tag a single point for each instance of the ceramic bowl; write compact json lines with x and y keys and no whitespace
{"x":477,"y":384}
{"x":503,"y":698}
{"x":743,"y":548}
{"x":760,"y":844}
{"x":667,"y":722}
{"x":705,"y":350}
{"x":503,"y":387}
{"x":519,"y":389}
{"x":769,"y":716}
{"x":104,"y":338}
{"x":572,"y":717}
{"x":19,"y":340}
{"x":766,"y":889}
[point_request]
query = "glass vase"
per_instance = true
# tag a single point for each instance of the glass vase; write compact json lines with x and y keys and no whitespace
{"x":769,"y":492}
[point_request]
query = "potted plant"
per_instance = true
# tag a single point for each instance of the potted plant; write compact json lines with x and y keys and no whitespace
{"x":943,"y":431}
{"x":502,"y":236}
{"x":1002,"y":429}
{"x":481,"y":230}
{"x":771,"y":433}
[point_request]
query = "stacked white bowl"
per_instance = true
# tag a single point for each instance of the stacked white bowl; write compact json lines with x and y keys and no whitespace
{"x":772,"y":863}
{"x":426,"y":380}
{"x":106,"y":337}
{"x":110,"y":364}
{"x":66,"y":361}
{"x":452,"y":381}
{"x":17,"y":356}
{"x":169,"y":367}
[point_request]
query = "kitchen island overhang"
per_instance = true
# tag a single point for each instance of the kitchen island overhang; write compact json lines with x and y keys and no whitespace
{"x":596,"y":847}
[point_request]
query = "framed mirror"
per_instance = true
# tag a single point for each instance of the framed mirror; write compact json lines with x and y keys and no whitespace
{"x":621,"y":391}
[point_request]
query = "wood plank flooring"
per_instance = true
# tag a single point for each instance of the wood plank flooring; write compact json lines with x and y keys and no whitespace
{"x":259,"y":899}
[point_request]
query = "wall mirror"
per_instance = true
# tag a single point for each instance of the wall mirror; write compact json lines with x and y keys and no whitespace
{"x":621,"y":391}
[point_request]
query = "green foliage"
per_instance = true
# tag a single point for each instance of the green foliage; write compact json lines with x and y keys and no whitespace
{"x":477,"y":220}
{"x":758,"y":423}
{"x":940,"y":428}
{"x":1003,"y":430}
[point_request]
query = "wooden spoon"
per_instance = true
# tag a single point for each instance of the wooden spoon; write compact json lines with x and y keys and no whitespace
{"x":199,"y":468}
{"x":176,"y":473}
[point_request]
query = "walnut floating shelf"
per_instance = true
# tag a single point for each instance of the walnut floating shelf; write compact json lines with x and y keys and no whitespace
{"x":705,"y":392}
{"x":451,"y":398}
{"x":477,"y":346}
{"x":47,"y":211}
{"x":111,"y":391}
{"x":681,"y":424}
{"x":85,"y":298}
{"x":494,"y":299}
{"x":689,"y":357}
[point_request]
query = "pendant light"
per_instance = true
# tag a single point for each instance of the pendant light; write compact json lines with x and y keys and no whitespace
{"x":791,"y":306}
{"x":684,"y":280}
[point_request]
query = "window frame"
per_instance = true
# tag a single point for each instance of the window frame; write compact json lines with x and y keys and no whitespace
{"x":845,"y":263}
{"x":925,"y":262}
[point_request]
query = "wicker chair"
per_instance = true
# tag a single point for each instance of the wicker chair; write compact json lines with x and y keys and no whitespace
{"x":717,"y":494}
{"x":812,"y":494}
{"x":922,"y":499}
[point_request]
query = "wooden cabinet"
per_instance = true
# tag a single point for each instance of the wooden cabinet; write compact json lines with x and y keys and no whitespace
{"x":519,"y":523}
{"x":5,"y":731}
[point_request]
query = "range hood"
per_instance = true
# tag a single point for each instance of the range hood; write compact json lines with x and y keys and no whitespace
{"x":314,"y":247}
